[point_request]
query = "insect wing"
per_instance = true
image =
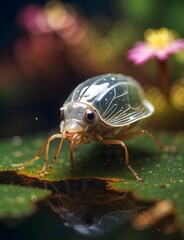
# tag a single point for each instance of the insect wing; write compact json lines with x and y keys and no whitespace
{"x":84,"y":92}
{"x":117,"y":98}
{"x":122,"y":104}
{"x":94,"y":87}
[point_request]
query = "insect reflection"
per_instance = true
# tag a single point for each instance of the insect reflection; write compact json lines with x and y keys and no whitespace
{"x":90,"y":208}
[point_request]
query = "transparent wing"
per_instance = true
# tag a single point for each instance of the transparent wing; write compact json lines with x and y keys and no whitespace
{"x":93,"y":88}
{"x":118,"y":98}
{"x":123,"y":104}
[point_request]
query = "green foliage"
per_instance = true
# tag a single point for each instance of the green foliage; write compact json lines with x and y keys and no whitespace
{"x":18,"y":201}
{"x":163,"y":172}
{"x":152,"y":14}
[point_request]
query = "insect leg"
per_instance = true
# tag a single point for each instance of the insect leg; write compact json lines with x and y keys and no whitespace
{"x":75,"y":141}
{"x":37,"y":157}
{"x":29,"y":162}
{"x":127,"y":163}
{"x":122,"y":132}
{"x":71,"y":155}
{"x":44,"y":171}
{"x":59,"y":135}
{"x":154,"y":139}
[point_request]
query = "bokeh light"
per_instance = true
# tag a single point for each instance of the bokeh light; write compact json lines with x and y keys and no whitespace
{"x":177,"y":94}
{"x":32,"y":19}
{"x":58,"y":45}
{"x":157,"y":98}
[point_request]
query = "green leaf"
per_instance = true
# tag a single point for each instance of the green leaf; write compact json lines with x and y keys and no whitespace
{"x":91,"y":160}
{"x":18,"y":201}
{"x":163,"y":172}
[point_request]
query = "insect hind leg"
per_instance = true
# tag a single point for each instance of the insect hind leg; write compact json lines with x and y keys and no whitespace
{"x":153,"y":138}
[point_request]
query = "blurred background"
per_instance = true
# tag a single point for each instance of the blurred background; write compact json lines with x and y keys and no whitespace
{"x":48,"y":47}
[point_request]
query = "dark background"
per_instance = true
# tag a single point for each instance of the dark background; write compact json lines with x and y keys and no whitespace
{"x":9,"y":9}
{"x":30,"y":98}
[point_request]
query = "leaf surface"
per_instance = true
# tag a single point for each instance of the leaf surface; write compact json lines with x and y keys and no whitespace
{"x":163,"y":172}
{"x":18,"y":201}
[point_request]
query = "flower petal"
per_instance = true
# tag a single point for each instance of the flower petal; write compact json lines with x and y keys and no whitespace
{"x":158,"y":43}
{"x":173,"y":48}
{"x":140,"y":53}
{"x":177,"y":46}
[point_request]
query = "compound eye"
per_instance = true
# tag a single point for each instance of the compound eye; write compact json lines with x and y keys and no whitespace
{"x":89,"y":116}
{"x":89,"y":219}
{"x":61,"y":113}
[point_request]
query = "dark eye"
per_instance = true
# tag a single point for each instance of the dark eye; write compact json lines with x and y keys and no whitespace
{"x":89,"y":116}
{"x":89,"y":219}
{"x":61,"y":113}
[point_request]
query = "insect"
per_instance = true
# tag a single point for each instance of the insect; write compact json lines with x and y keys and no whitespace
{"x":102,"y":109}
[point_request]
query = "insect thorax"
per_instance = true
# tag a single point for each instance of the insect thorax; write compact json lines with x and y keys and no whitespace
{"x":110,"y":132}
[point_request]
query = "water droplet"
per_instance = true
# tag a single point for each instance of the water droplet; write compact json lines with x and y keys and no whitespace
{"x":20,"y":199}
{"x":34,"y":198}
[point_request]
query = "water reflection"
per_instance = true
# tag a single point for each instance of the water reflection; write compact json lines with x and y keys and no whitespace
{"x":90,"y":208}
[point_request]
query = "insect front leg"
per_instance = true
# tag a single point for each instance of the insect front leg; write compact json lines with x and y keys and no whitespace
{"x":75,"y":142}
{"x":59,"y":135}
{"x":71,"y":156}
{"x":127,"y":163}
{"x":37,"y":157}
{"x":22,"y":165}
{"x":44,"y":171}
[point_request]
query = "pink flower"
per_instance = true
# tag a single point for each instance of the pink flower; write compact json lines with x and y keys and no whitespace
{"x":158,"y":43}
